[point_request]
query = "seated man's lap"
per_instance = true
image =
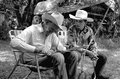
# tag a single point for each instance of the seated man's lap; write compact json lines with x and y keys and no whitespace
{"x":73,"y":55}
{"x":102,"y":55}
{"x":47,"y":61}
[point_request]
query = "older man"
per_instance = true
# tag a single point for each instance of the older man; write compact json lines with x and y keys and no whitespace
{"x":42,"y":38}
{"x":85,"y":39}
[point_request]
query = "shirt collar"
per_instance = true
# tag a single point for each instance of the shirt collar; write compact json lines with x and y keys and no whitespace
{"x":39,"y":27}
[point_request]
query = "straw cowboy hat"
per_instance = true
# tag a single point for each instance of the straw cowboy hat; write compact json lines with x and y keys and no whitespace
{"x":56,"y":17}
{"x":81,"y":15}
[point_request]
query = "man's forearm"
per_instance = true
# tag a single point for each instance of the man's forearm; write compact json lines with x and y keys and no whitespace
{"x":22,"y":46}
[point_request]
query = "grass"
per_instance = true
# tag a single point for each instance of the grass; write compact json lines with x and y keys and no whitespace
{"x":7,"y":63}
{"x":112,"y":67}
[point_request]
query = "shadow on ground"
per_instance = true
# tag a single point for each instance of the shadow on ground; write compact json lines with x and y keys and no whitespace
{"x":112,"y":68}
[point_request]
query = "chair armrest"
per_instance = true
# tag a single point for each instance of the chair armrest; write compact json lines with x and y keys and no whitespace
{"x":16,"y":51}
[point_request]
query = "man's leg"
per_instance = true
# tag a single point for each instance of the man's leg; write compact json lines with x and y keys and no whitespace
{"x":102,"y":59}
{"x":56,"y":61}
{"x":71,"y":60}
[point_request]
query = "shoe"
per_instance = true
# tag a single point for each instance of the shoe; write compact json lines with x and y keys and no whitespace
{"x":93,"y":76}
{"x":98,"y":77}
{"x":102,"y":77}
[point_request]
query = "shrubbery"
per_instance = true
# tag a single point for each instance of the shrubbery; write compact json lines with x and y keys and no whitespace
{"x":4,"y":29}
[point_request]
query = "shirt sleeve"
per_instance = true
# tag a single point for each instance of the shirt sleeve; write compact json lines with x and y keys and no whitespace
{"x":21,"y":42}
{"x":26,"y":34}
{"x":48,"y":43}
{"x":18,"y":44}
{"x":57,"y":43}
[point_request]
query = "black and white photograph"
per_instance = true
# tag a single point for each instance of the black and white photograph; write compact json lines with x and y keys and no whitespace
{"x":59,"y":39}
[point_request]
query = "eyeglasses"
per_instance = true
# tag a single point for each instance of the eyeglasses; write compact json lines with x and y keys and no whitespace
{"x":46,"y":21}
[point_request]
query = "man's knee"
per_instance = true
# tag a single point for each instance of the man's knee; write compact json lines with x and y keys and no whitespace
{"x":59,"y":57}
{"x":74,"y":55}
{"x":102,"y":56}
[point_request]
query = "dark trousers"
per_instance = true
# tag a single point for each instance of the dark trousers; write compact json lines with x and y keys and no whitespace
{"x":102,"y":59}
{"x":100,"y":63}
{"x":65,"y":65}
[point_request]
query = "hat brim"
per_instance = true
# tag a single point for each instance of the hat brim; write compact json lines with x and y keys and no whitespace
{"x":61,"y":27}
{"x":64,"y":28}
{"x":78,"y":18}
{"x":46,"y":16}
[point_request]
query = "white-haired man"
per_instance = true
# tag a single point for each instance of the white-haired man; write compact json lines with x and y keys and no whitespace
{"x":42,"y":38}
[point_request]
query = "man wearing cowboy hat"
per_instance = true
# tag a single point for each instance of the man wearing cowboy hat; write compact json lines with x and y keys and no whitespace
{"x":84,"y":37}
{"x":42,"y":38}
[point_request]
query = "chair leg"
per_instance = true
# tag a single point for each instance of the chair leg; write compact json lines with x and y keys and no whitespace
{"x":15,"y":66}
{"x":56,"y":77}
{"x":94,"y":68}
{"x":27,"y":75}
{"x":82,"y":61}
{"x":12,"y":71}
{"x":39,"y":75}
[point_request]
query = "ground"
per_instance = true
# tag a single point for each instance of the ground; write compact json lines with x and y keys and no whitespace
{"x":110,"y":47}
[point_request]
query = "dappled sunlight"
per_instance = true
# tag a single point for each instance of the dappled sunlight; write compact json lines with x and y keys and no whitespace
{"x":103,"y":50}
{"x":116,"y":55}
{"x":6,"y":56}
{"x":113,"y":64}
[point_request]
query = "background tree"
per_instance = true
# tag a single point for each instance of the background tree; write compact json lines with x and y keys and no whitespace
{"x":23,"y":11}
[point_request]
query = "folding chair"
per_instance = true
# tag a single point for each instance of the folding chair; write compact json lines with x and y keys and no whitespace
{"x":18,"y":56}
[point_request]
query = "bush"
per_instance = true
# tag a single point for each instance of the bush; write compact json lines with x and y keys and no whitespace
{"x":4,"y":29}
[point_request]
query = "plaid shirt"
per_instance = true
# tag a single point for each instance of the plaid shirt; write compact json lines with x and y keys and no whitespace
{"x":84,"y":37}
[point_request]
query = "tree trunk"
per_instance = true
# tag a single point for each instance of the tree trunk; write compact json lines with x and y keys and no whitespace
{"x":18,"y":16}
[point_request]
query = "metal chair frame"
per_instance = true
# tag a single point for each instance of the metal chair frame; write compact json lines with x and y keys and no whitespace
{"x":12,"y":34}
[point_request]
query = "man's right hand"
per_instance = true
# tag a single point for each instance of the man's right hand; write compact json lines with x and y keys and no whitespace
{"x":38,"y":49}
{"x":50,"y":52}
{"x":91,"y":54}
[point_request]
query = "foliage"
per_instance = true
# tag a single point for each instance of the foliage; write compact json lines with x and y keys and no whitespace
{"x":97,"y":9}
{"x":3,"y":66}
{"x":4,"y":31}
{"x":22,"y":10}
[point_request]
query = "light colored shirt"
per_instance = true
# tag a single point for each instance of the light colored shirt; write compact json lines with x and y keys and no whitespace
{"x":62,"y":35}
{"x":53,"y":41}
{"x":34,"y":36}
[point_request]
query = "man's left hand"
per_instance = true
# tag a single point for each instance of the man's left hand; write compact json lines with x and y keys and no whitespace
{"x":50,"y":52}
{"x":92,"y":55}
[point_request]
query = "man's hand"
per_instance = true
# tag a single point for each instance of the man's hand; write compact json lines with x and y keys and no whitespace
{"x":38,"y":49}
{"x":92,"y":55}
{"x":49,"y":52}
